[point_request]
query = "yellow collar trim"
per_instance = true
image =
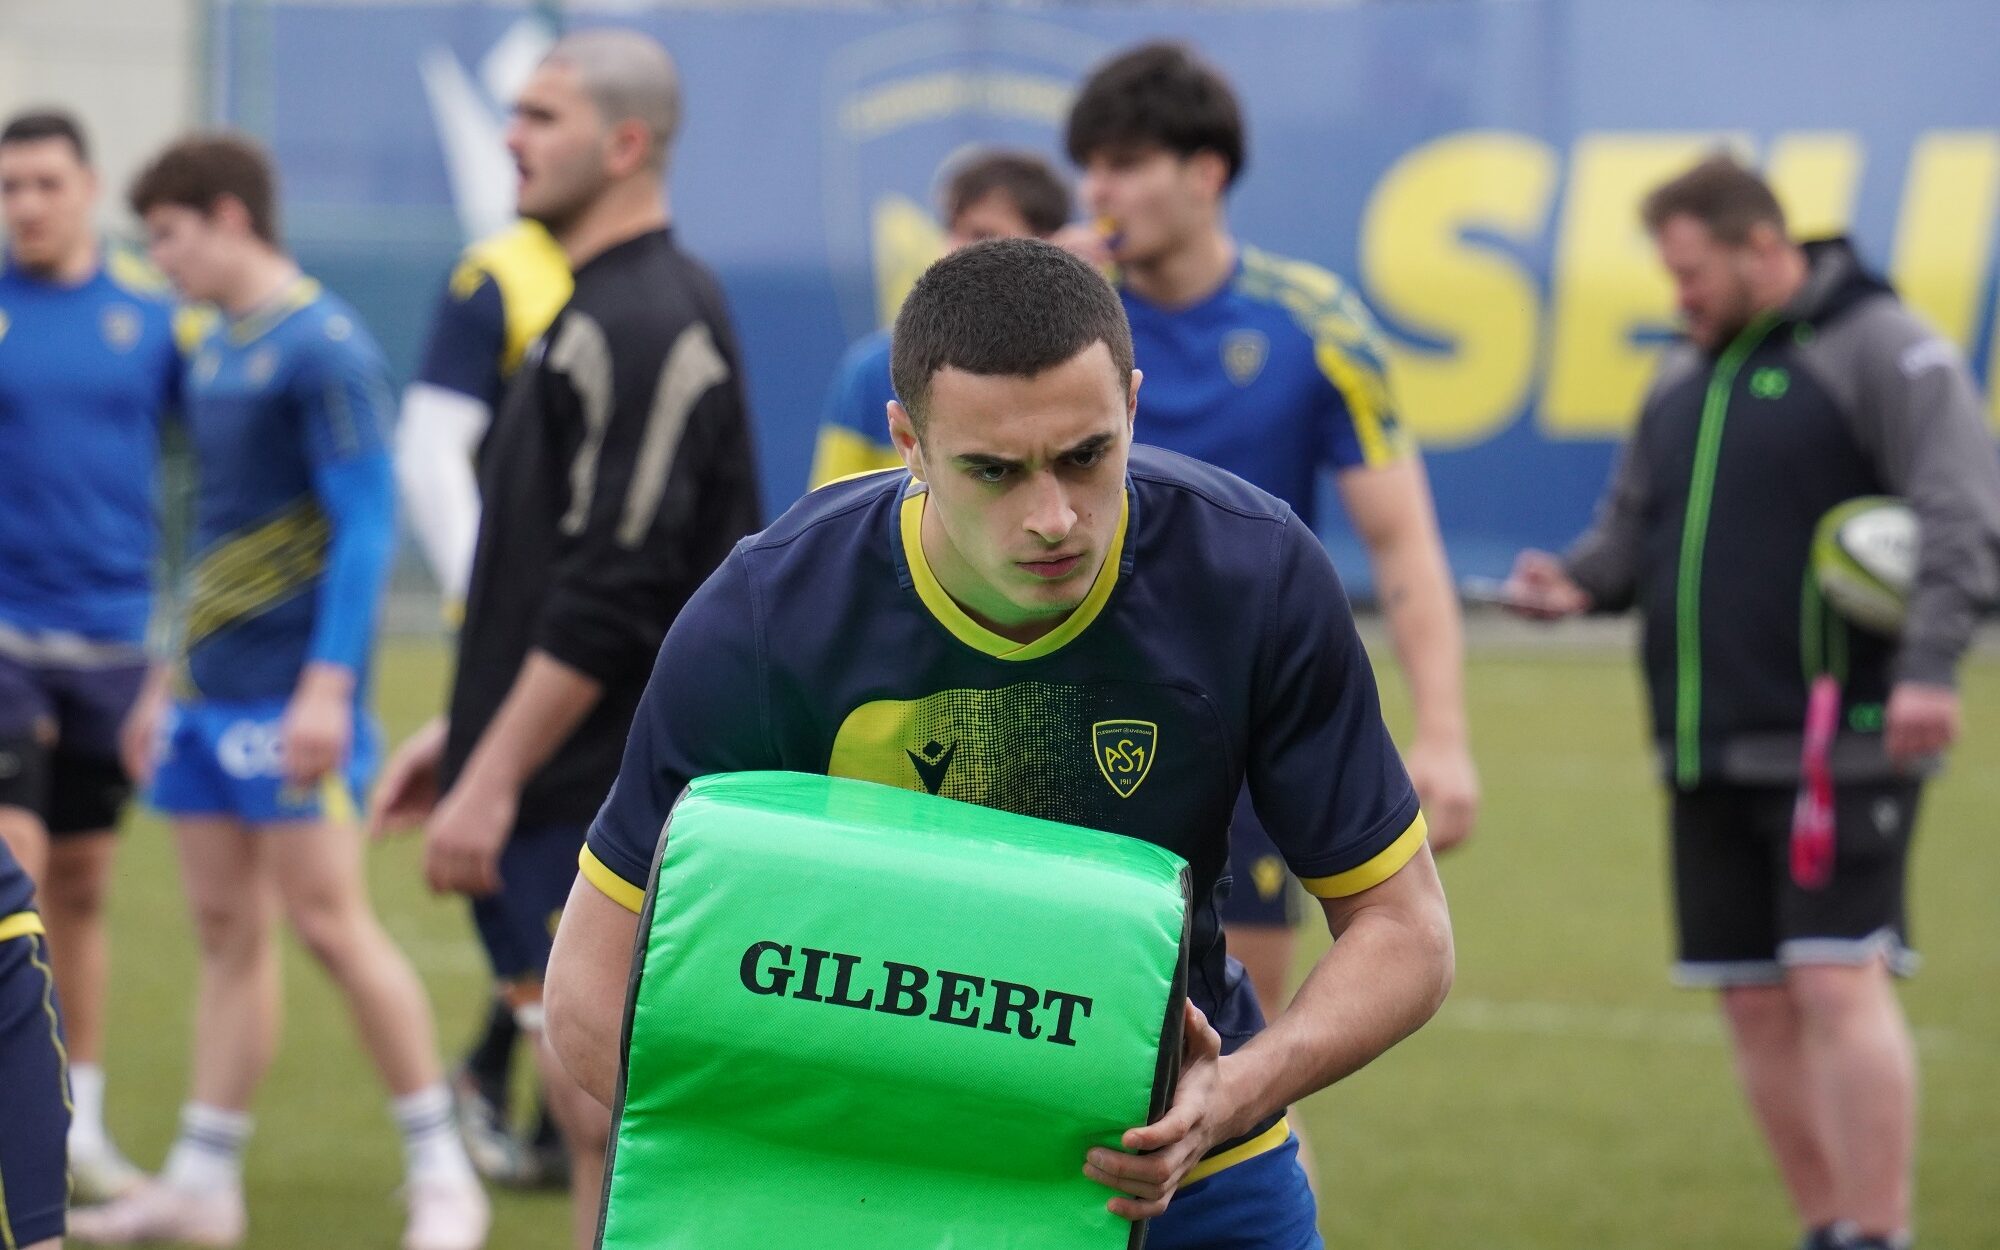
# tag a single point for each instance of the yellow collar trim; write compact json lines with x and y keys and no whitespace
{"x":977,"y":636}
{"x":259,"y":321}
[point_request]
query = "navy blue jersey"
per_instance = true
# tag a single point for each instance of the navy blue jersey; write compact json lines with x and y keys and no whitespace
{"x":1216,"y":645}
{"x":85,"y":373}
{"x":17,"y":893}
{"x":288,"y":410}
{"x":1277,"y":376}
{"x":503,"y":293}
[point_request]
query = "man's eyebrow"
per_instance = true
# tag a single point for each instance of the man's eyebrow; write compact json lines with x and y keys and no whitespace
{"x":1096,"y":442}
{"x":981,"y":460}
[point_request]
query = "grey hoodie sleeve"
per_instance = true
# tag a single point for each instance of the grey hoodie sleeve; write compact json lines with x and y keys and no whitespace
{"x":1605,"y":559}
{"x":1919,"y":414}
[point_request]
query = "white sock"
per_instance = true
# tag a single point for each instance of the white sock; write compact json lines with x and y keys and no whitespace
{"x":208,"y":1155}
{"x":86,"y":1094}
{"x":431,"y":1147}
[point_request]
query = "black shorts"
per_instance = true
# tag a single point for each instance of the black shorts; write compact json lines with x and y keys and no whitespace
{"x":1259,"y":889}
{"x":59,"y":741}
{"x":1743,"y":920}
{"x":34,"y":1129}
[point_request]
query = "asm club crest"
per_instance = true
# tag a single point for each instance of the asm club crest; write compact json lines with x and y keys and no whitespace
{"x":1124,"y":751}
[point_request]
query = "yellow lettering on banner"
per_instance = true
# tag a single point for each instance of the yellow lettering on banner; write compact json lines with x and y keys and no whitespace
{"x":907,"y":240}
{"x":1608,"y":284}
{"x":1814,"y":176}
{"x":1944,"y":231}
{"x":1422,"y":270}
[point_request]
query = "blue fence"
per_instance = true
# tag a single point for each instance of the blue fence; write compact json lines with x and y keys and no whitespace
{"x":1473,"y":165}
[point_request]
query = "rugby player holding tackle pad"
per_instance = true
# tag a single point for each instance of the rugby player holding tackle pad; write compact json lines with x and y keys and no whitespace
{"x":1039,"y":618}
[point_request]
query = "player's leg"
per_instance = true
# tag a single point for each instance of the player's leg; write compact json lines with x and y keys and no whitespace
{"x":517,"y":927}
{"x":88,"y":790}
{"x":1726,"y":912}
{"x":1842,"y":945}
{"x":480,"y":1088}
{"x":34,"y":1183}
{"x":1262,"y":1203}
{"x":198,"y":1196}
{"x":317,"y":864}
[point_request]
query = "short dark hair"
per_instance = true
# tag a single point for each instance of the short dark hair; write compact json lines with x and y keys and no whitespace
{"x":198,"y":171}
{"x":1720,"y":193}
{"x":1160,"y":94}
{"x":1003,"y":308}
{"x":38,"y":124}
{"x":1029,"y":182}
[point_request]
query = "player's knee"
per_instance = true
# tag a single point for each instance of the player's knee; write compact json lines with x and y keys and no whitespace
{"x":1757,"y":1011}
{"x":75,"y":889}
{"x":330,"y":934}
{"x":228,"y":933}
{"x":1833,"y":995}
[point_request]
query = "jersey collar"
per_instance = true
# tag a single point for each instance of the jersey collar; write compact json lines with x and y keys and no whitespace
{"x":960,"y":624}
{"x":261,"y":320}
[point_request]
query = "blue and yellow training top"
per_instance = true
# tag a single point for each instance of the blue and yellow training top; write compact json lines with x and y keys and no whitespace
{"x":86,"y":373}
{"x":288,"y":408}
{"x":1216,"y":644}
{"x":1277,"y":376}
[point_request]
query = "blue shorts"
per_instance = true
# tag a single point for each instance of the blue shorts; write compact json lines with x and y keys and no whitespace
{"x":518,"y":925}
{"x":34,"y":1075}
{"x":59,"y":727}
{"x":225,"y":759}
{"x":1260,"y":890}
{"x":1262,"y":1203}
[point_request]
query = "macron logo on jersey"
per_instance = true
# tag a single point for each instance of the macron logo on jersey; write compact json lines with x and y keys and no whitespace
{"x":933,"y":763}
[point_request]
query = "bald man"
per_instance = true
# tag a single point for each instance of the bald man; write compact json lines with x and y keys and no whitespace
{"x":618,"y":473}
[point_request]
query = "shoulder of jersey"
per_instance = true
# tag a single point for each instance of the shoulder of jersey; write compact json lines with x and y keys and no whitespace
{"x":1170,"y":470}
{"x":135,"y":275}
{"x":1317,"y":301}
{"x":524,"y":248}
{"x":856,"y":492}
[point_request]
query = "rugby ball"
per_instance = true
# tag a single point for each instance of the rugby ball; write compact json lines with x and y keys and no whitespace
{"x":1864,"y":556}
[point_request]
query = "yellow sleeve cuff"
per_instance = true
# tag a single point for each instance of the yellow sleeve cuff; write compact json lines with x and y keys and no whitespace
{"x":613,"y":886}
{"x":1385,"y":865}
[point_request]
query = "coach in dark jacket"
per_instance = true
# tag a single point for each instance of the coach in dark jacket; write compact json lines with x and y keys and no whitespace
{"x":1803,"y":383}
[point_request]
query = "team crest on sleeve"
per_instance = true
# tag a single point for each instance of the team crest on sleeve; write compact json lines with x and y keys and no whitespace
{"x":1243,"y":355}
{"x":120,"y":325}
{"x":1124,"y":752}
{"x":262,"y":365}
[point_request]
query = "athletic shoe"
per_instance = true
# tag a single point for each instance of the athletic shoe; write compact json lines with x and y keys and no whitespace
{"x":157,"y":1211}
{"x":446,"y":1214}
{"x":482,"y":1125}
{"x":98,"y":1173}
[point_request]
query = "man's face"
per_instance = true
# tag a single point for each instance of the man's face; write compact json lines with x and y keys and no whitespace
{"x":991,"y":216}
{"x":1027,"y":482}
{"x":558,"y":141}
{"x":195,"y":250}
{"x":1152,"y":200}
{"x":46,"y":197}
{"x":1712,"y":280}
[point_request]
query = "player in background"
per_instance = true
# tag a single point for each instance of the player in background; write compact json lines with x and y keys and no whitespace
{"x":88,"y":364}
{"x":500,"y":297}
{"x":267,"y":739}
{"x":987,"y":194}
{"x":1270,"y":368}
{"x":619,"y":472}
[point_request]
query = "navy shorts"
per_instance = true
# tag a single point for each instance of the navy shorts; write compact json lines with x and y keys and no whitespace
{"x":1260,"y":889}
{"x":518,"y":925}
{"x":34,"y":1073}
{"x":1263,"y":1203}
{"x":59,"y":740}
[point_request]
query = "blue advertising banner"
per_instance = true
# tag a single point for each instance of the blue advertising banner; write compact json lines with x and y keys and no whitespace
{"x":1474,"y":166}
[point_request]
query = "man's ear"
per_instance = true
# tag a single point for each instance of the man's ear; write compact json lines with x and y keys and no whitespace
{"x":903,"y":434}
{"x":1132,"y":399}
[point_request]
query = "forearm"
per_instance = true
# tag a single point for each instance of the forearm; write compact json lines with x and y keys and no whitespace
{"x":435,"y":442}
{"x":1386,"y":974}
{"x":358,"y":498}
{"x":548,"y":700}
{"x":1422,"y":612}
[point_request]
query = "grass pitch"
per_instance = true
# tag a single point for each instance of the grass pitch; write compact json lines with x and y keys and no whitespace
{"x":1565,"y":1097}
